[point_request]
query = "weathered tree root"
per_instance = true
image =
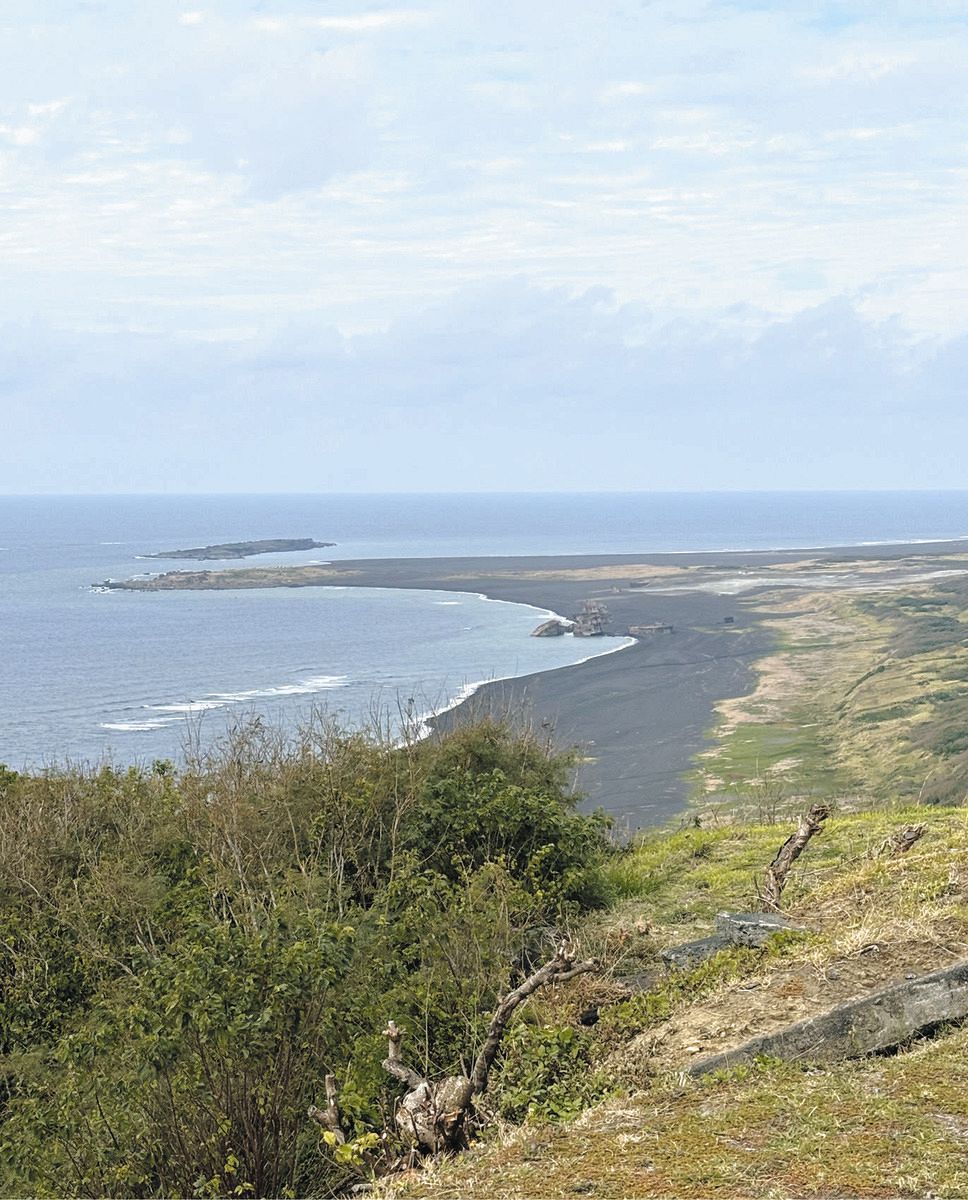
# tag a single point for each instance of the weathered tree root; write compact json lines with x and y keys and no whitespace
{"x":776,"y":873}
{"x":434,"y":1116}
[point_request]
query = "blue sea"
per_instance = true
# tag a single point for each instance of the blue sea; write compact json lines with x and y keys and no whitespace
{"x":88,"y":676}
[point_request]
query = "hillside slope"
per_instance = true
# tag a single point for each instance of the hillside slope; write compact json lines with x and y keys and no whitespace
{"x":884,"y":1126}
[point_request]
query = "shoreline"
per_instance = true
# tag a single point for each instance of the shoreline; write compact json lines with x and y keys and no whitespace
{"x":639,"y":718}
{"x":430,"y":571}
{"x":426,"y":722}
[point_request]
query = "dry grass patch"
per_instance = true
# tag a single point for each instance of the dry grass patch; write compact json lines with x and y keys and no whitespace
{"x":878,"y":1128}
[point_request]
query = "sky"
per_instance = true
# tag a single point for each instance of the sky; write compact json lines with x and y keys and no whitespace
{"x":489,"y":245}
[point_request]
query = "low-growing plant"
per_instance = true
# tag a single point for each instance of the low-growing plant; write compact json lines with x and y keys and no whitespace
{"x":548,"y":1072}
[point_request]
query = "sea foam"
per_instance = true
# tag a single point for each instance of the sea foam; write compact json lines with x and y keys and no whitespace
{"x":185,"y":708}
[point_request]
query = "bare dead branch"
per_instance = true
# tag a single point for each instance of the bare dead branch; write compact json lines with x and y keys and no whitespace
{"x":561,"y":968}
{"x":328,"y":1118}
{"x":778,"y":870}
{"x":435,"y":1115}
{"x":393,"y":1064}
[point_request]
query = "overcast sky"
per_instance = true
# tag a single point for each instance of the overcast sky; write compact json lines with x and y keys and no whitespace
{"x":483,"y":244}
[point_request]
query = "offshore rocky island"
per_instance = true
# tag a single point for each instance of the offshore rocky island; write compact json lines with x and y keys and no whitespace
{"x":224,"y":550}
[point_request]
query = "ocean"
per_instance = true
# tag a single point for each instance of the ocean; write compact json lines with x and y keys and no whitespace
{"x":127,"y":677}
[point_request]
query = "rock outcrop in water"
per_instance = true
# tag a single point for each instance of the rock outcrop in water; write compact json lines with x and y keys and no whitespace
{"x":552,"y":628}
{"x":243,"y":549}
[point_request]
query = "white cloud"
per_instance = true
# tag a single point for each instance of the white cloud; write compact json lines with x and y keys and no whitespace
{"x":20,"y":135}
{"x":620,"y":91}
{"x":363,"y":22}
{"x":48,"y":109}
{"x":865,"y":66}
{"x":614,"y":147}
{"x":217,"y":176}
{"x":836,"y":400}
{"x":703,"y":143}
{"x":368,"y":22}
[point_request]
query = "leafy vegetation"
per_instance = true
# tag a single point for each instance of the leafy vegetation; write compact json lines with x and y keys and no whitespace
{"x":186,"y":955}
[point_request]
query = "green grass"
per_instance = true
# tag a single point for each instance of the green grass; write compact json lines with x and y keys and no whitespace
{"x":869,"y":713}
{"x":693,"y":873}
{"x":862,"y":709}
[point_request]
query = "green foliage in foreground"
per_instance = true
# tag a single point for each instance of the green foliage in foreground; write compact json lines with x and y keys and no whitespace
{"x":185,"y":956}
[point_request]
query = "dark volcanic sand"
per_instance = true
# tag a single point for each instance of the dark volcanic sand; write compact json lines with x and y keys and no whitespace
{"x":642,"y":714}
{"x":639,"y":715}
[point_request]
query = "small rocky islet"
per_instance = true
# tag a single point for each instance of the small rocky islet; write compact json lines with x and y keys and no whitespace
{"x":225,"y":550}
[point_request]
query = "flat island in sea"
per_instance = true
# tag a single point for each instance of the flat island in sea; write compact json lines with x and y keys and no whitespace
{"x":800,"y":668}
{"x":225,"y":550}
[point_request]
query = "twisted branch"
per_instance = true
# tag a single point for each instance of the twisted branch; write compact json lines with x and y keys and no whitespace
{"x":778,"y":870}
{"x":560,"y":969}
{"x":393,"y":1064}
{"x":434,"y":1115}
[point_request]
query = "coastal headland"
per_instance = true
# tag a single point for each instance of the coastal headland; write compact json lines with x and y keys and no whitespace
{"x":642,"y":716}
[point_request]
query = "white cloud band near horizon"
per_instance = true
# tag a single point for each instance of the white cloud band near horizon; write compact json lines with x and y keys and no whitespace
{"x":505,"y":387}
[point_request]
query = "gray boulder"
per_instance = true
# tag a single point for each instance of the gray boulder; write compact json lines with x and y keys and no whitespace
{"x":753,"y":929}
{"x":732,"y":929}
{"x":691,"y":954}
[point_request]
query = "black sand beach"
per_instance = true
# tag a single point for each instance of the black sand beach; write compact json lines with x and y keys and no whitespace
{"x":640,"y":715}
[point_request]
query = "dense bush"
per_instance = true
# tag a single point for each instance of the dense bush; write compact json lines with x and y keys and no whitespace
{"x":185,"y":955}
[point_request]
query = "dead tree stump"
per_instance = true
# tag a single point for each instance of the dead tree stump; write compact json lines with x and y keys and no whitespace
{"x":776,"y":873}
{"x":328,"y":1118}
{"x":901,"y":840}
{"x":434,"y":1116}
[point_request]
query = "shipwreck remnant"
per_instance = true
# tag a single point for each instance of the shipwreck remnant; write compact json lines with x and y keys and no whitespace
{"x":590,"y":620}
{"x":551,"y":628}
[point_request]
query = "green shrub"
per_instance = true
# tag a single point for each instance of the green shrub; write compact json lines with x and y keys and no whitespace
{"x":186,"y":954}
{"x":951,"y":742}
{"x":547,"y":1073}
